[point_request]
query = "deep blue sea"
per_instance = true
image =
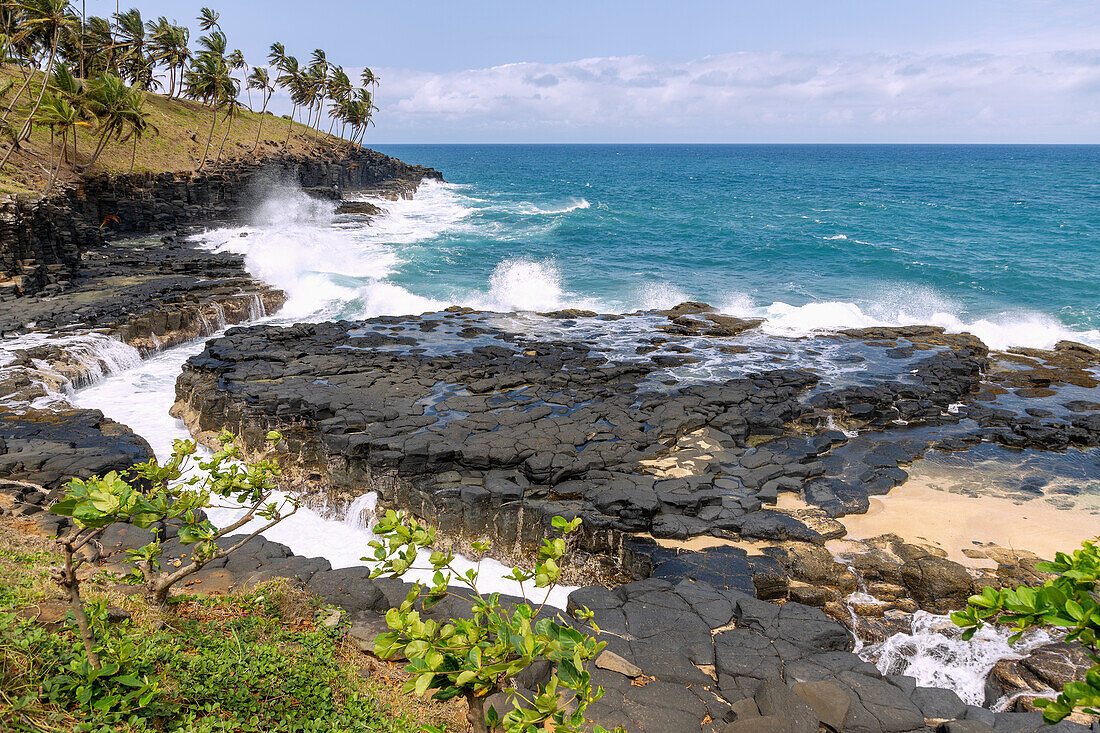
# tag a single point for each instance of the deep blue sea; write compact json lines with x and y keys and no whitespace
{"x":1003,"y":241}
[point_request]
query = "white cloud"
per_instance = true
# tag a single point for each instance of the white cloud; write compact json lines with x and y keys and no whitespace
{"x":967,"y":97}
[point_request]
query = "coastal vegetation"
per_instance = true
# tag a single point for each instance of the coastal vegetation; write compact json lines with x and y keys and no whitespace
{"x":268,"y":660}
{"x":102,"y":670}
{"x":480,"y":657}
{"x":88,"y":94}
{"x":1067,"y":602}
{"x":255,"y":661}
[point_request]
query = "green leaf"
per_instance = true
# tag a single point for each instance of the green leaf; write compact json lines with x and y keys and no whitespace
{"x":423,"y":682}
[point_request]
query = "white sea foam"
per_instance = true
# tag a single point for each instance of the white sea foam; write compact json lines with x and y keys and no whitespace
{"x":573,"y":204}
{"x":522,"y":284}
{"x":141,"y":397}
{"x":295,"y":243}
{"x":659,"y":295}
{"x":1001,"y":331}
{"x":935,"y":654}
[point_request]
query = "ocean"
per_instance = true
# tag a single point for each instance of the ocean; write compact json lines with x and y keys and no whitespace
{"x":1002,"y":241}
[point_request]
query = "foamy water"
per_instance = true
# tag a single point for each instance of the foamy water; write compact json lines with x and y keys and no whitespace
{"x":438,"y":248}
{"x":934,"y":653}
{"x":141,"y":397}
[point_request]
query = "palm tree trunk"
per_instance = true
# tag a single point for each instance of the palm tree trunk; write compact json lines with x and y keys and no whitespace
{"x":290,"y":126}
{"x":133,"y":154}
{"x":260,"y":127}
{"x":19,"y":94}
{"x":45,"y":83}
{"x":209,"y":137}
{"x":49,"y":183}
{"x":99,"y":148}
{"x":61,"y":158}
{"x":30,"y":118}
{"x":225,"y":136}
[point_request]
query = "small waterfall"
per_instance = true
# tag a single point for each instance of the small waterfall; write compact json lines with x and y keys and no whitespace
{"x":831,"y":424}
{"x":219,"y":312}
{"x":256,"y":309}
{"x":360,"y":513}
{"x":99,"y":355}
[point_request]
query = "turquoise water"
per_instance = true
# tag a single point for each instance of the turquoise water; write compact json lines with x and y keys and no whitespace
{"x":1000,"y":240}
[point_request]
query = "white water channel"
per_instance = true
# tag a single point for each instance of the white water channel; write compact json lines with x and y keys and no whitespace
{"x":140,"y":397}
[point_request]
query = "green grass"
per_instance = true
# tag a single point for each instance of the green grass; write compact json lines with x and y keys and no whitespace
{"x":254,"y":662}
{"x":182,"y":125}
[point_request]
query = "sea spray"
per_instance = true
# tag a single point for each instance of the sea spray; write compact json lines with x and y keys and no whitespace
{"x":523,"y":284}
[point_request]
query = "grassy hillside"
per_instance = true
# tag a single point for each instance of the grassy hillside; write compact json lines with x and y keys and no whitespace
{"x":183,"y":126}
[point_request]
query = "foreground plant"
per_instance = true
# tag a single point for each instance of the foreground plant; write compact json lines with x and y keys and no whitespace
{"x":149,"y":493}
{"x":478,"y":657}
{"x":1068,"y":601}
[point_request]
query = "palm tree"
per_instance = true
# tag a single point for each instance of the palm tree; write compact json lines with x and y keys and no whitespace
{"x":214,"y":44}
{"x":368,"y":78}
{"x":120,"y":111}
{"x":168,"y":43}
{"x":232,"y":109}
{"x":71,"y":90}
{"x":359,"y":111}
{"x":314,"y":85}
{"x":208,"y":19}
{"x":47,"y":18}
{"x":135,"y":62}
{"x":288,"y":78}
{"x":208,"y":79}
{"x":137,"y":120}
{"x":339,"y":91}
{"x":59,"y":115}
{"x":261,"y":81}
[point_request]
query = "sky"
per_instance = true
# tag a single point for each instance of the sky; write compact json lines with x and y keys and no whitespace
{"x":972,"y":71}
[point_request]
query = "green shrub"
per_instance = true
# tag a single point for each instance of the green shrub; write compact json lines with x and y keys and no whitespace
{"x":1068,"y":601}
{"x":477,"y":657}
{"x":150,"y":493}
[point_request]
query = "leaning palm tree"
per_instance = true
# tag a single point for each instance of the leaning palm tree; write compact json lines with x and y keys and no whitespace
{"x":133,"y":44}
{"x":208,"y":19}
{"x":214,"y":44}
{"x":369,"y":78}
{"x":168,"y":43}
{"x":260,"y":80}
{"x":58,"y":115}
{"x":71,"y":90}
{"x":208,"y":79}
{"x":289,"y":78}
{"x":338,"y":89}
{"x":136,"y":119}
{"x":314,"y":85}
{"x":49,"y":19}
{"x":232,"y":109}
{"x":119,"y":110}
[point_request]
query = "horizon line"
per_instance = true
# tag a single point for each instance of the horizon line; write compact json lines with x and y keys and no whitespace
{"x":913,"y":144}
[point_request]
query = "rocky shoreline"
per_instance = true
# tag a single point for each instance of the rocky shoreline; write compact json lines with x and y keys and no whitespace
{"x":712,"y":463}
{"x":489,"y":425}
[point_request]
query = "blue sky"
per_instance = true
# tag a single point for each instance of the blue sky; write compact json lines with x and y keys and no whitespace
{"x":616,"y":71}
